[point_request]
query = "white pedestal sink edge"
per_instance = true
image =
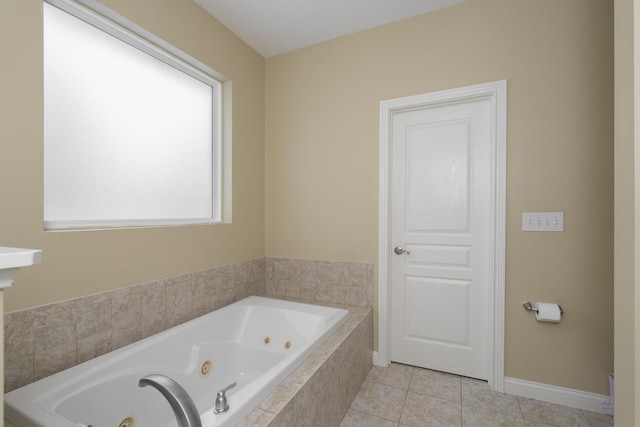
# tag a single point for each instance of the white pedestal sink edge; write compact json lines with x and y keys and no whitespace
{"x":12,"y":259}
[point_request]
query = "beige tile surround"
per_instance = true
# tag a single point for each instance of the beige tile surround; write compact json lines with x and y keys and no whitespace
{"x":320,"y":391}
{"x":322,"y":281}
{"x":41,"y":341}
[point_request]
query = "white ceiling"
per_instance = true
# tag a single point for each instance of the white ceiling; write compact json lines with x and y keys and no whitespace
{"x":273,"y":27}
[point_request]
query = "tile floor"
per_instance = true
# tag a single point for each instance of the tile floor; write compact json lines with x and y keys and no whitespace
{"x":401,"y":395}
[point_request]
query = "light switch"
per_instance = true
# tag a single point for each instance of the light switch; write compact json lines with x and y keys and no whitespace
{"x":543,"y":221}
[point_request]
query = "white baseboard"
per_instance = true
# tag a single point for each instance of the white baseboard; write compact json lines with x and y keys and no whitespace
{"x":554,"y":394}
{"x":377,"y":361}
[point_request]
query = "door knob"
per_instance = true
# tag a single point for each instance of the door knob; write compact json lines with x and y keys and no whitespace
{"x":399,"y":250}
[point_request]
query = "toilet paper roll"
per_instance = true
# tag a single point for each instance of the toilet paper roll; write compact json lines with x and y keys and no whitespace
{"x":548,"y":312}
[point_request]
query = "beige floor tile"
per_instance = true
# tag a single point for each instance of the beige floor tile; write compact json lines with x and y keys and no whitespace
{"x":421,"y":410}
{"x":537,"y":424}
{"x":360,"y":419}
{"x":380,"y":400}
{"x":394,"y":375}
{"x":478,"y":394}
{"x":598,"y":420}
{"x":440,"y":399}
{"x":549,"y":413}
{"x":479,"y":417}
{"x":436,"y":384}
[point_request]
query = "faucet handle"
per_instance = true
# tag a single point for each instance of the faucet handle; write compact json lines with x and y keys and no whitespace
{"x":227,"y":388}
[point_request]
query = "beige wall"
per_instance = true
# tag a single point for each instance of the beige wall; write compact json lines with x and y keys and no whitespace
{"x":82,"y":263}
{"x":627,"y":162}
{"x":322,"y":106}
{"x":322,"y":159}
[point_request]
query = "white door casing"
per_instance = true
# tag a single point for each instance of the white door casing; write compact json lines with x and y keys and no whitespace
{"x":432,"y":250}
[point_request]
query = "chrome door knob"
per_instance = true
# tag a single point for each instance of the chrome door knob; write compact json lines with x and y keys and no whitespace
{"x":399,"y":250}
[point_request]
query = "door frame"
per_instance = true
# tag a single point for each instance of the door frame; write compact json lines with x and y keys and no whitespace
{"x":496,"y":94}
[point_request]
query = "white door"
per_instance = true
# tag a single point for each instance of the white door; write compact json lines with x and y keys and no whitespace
{"x":441,"y":236}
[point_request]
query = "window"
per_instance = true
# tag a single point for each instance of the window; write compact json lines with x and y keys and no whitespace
{"x":132,"y":133}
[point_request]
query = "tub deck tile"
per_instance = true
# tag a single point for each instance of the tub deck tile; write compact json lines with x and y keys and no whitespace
{"x":305,"y":371}
{"x":254,"y":418}
{"x":319,"y":392}
{"x":281,"y":396}
{"x":284,"y":418}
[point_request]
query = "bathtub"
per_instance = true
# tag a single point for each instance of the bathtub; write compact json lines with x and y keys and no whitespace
{"x":256,"y":342}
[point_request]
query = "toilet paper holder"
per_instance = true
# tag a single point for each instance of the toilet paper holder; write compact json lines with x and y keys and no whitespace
{"x":530,"y":307}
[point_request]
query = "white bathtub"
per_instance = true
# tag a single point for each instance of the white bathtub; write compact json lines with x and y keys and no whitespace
{"x":256,"y":342}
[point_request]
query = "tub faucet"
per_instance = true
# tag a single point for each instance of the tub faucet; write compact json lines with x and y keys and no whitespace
{"x":183,"y":407}
{"x":221,"y":400}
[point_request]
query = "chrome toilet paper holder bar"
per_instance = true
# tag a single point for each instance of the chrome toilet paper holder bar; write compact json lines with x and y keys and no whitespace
{"x":530,"y":307}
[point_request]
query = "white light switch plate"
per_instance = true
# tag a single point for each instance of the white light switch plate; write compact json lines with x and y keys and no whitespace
{"x":542,"y":221}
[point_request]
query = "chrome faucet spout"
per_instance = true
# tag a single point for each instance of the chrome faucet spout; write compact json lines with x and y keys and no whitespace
{"x":183,"y":406}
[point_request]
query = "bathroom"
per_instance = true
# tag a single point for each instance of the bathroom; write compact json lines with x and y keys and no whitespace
{"x":305,"y":163}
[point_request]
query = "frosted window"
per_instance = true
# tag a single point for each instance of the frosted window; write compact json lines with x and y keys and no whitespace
{"x":128,"y":138}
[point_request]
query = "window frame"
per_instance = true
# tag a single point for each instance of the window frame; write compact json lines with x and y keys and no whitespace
{"x":93,"y":13}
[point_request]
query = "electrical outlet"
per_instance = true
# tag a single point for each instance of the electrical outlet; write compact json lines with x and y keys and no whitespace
{"x":542,"y":221}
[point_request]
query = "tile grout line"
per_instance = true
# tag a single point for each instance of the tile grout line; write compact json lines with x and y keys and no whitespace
{"x":521,"y":411}
{"x":404,"y":402}
{"x":461,"y":405}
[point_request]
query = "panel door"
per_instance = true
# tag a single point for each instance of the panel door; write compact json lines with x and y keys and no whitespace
{"x":440,"y":232}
